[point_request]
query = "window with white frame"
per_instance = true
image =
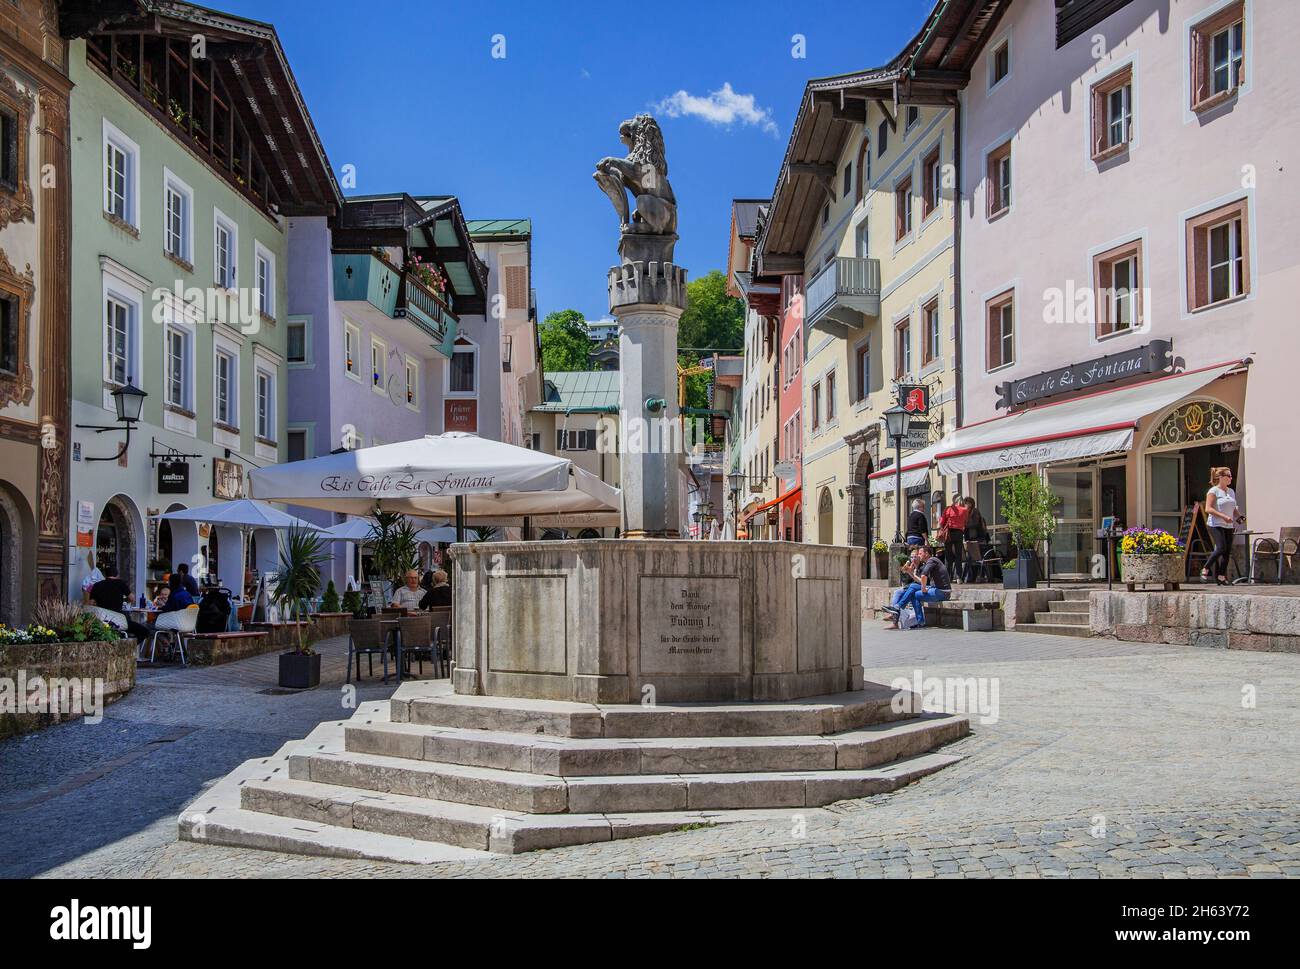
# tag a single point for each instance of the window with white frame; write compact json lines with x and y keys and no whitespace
{"x":226,"y":249}
{"x":121,"y":175}
{"x":119,"y":340}
{"x":464,"y":369}
{"x":266,"y":405}
{"x":351,"y":349}
{"x":1001,"y":336}
{"x":999,"y":64}
{"x":179,"y":352}
{"x":830,"y":396}
{"x":1218,"y":49}
{"x":1218,"y":255}
{"x":225,"y":388}
{"x":296,"y":343}
{"x":265,"y":281}
{"x":178,"y":218}
{"x":412,"y":382}
{"x":378,"y":365}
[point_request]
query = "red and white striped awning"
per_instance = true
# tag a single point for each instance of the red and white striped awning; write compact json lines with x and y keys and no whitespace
{"x":1084,"y":426}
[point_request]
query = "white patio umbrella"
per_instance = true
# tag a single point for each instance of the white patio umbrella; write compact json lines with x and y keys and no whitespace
{"x":244,"y":514}
{"x":445,"y":533}
{"x":440,"y":476}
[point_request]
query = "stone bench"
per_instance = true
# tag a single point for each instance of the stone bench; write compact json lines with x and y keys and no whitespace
{"x":214,"y":649}
{"x":975,"y":616}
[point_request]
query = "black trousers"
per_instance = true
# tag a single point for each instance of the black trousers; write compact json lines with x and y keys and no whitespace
{"x":139,"y":630}
{"x":952,"y":556}
{"x":1217,"y":564}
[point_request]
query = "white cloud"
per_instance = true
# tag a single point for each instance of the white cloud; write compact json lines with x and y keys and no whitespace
{"x":722,"y":107}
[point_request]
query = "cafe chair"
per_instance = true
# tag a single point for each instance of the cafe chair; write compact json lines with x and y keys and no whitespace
{"x":1281,"y":550}
{"x":417,"y":640}
{"x":108,"y":617}
{"x":441,"y":621}
{"x":175,"y":626}
{"x":366,"y":638}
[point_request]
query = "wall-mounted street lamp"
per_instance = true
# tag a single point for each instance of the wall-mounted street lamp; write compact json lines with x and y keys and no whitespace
{"x":897,"y":422}
{"x":128,"y":401}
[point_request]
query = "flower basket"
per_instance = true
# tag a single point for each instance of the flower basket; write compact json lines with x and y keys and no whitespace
{"x":1150,"y":555}
{"x":1160,"y":568}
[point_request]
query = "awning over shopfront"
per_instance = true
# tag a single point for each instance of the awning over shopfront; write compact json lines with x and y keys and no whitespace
{"x":916,"y":468}
{"x":1093,"y":424}
{"x":773,"y":503}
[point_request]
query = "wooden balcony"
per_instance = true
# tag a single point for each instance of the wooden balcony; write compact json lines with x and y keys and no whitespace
{"x":427,"y":311}
{"x":844,"y":296}
{"x":367,"y":276}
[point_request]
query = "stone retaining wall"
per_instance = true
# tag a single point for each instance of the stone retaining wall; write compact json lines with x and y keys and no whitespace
{"x":112,"y":663}
{"x":1207,"y":619}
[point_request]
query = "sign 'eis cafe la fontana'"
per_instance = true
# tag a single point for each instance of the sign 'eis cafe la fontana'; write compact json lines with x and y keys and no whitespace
{"x":1151,"y":358}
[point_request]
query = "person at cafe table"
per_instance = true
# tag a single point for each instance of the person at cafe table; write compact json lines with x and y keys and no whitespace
{"x":408,"y":596}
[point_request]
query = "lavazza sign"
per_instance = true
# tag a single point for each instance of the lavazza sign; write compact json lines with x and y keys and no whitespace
{"x":1154,"y":357}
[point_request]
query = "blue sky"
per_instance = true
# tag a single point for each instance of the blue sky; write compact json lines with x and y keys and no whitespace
{"x":410,"y":94}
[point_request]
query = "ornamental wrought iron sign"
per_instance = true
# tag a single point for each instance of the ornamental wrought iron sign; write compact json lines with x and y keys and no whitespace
{"x":1154,"y":357}
{"x":1196,"y":421}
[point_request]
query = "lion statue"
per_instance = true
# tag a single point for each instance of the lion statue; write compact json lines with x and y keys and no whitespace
{"x":644,"y":173}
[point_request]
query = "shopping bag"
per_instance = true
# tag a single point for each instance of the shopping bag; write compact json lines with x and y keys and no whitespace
{"x":907,"y":618}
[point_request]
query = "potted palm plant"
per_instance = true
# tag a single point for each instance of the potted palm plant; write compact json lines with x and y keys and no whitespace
{"x":394,"y":547}
{"x":1028,"y":505}
{"x":301,"y":558}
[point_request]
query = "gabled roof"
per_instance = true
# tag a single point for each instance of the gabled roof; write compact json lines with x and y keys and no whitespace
{"x":930,"y":69}
{"x":430,"y":224}
{"x":249,"y":61}
{"x":580,"y":389}
{"x":494,"y":229}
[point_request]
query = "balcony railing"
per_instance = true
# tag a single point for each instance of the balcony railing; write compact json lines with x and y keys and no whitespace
{"x":429,"y":313}
{"x":841,"y":297}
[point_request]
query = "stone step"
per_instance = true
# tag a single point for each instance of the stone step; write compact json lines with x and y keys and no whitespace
{"x":1076,"y":595}
{"x":569,"y":756}
{"x":1053,"y":629}
{"x":529,"y":793}
{"x":402,"y":817}
{"x":1061,"y":618}
{"x":1069,"y":605}
{"x":808,"y":717}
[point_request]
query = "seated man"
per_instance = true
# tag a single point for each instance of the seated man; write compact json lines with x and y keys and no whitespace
{"x":111,"y":593}
{"x":408,"y":596}
{"x":909,"y":581}
{"x":933,"y":585}
{"x":439,"y":594}
{"x":178,"y":596}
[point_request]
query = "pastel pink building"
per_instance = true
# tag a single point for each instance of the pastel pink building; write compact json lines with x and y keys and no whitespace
{"x":1128,"y":237}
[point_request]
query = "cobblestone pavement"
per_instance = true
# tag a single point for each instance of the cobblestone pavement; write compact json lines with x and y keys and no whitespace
{"x":1105,"y":759}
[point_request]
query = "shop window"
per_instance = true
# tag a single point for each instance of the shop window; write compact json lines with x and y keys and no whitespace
{"x":1218,"y":256}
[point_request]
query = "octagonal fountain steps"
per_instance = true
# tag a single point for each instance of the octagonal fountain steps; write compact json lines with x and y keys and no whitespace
{"x":431,"y":775}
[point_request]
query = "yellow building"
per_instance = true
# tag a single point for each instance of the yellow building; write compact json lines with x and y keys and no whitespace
{"x":863,"y":214}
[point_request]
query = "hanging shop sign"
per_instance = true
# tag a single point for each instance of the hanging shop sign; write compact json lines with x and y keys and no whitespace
{"x":173,"y":477}
{"x":1154,"y":357}
{"x":918,"y":435}
{"x":227,"y":479}
{"x":915,"y":399}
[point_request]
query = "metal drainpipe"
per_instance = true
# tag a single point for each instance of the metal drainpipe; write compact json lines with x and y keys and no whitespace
{"x":956,"y":274}
{"x":776,"y":402}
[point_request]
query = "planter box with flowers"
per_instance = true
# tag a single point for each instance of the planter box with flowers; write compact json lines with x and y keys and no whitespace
{"x":879,"y":560}
{"x":62,"y":664}
{"x":1150,"y":555}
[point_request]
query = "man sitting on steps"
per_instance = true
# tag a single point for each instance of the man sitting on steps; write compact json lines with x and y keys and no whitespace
{"x":909,"y":581}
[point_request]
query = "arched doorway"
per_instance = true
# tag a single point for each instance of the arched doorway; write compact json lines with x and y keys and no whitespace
{"x":1183,"y":444}
{"x":17,"y":551}
{"x":118,"y":539}
{"x":860,"y":503}
{"x":178,"y":544}
{"x":825,"y":518}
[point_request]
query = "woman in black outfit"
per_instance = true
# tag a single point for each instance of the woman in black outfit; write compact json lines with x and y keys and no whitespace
{"x":977,"y":541}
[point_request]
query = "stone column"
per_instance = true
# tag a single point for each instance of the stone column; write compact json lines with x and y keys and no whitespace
{"x":648,"y":299}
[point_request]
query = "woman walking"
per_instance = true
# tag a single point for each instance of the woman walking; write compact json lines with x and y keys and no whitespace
{"x":1221,"y":516}
{"x":977,"y":542}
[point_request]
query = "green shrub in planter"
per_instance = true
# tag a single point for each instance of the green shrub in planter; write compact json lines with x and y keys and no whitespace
{"x":329,"y":602}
